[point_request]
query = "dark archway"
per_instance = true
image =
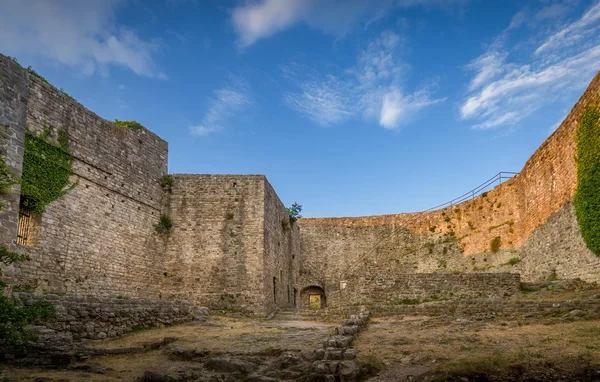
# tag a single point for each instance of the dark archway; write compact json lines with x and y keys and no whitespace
{"x":313,"y":297}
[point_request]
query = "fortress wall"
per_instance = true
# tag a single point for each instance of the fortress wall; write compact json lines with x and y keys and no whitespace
{"x":14,"y":94}
{"x":99,"y":238}
{"x":512,"y":212}
{"x":214,"y":254}
{"x":377,"y":289}
{"x":281,"y":255}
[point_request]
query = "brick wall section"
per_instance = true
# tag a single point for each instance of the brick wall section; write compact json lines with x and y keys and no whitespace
{"x":375,"y":289}
{"x":546,"y":183}
{"x":14,"y":94}
{"x":98,"y":239}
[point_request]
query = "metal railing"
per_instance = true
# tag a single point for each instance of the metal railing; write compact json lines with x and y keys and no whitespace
{"x":496,"y":180}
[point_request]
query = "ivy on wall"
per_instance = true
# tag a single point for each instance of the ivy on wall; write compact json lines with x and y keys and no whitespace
{"x":46,"y":170}
{"x":587,"y":196}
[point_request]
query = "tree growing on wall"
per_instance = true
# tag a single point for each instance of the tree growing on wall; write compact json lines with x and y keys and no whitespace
{"x":294,"y":212}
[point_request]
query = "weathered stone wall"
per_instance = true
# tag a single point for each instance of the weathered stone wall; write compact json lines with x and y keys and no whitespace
{"x":98,"y":318}
{"x":282,"y":247}
{"x":377,"y":289}
{"x":500,"y":308}
{"x":228,"y":244}
{"x":99,"y":238}
{"x":14,"y":94}
{"x":214,"y":255}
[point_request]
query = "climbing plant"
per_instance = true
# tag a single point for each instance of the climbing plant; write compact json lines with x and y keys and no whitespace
{"x":46,"y":170}
{"x":14,"y":315}
{"x":587,"y":196}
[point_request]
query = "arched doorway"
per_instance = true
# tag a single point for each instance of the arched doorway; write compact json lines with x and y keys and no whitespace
{"x":313,"y":297}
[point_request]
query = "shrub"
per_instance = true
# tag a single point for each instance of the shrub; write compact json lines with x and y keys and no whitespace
{"x":166,"y":182}
{"x":164,"y":225}
{"x":432,"y":229}
{"x":514,"y":261}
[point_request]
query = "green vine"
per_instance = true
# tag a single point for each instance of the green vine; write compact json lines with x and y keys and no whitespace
{"x":587,"y":196}
{"x":130,"y":124}
{"x":46,"y":170}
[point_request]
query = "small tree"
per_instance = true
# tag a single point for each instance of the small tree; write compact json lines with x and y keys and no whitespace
{"x":294,"y":212}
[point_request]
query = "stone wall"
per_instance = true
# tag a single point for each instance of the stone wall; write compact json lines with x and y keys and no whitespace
{"x":227,"y":244}
{"x":486,"y":308}
{"x":281,"y":258}
{"x":99,"y":238}
{"x":14,"y":94}
{"x":376,"y":289}
{"x":96,"y":318}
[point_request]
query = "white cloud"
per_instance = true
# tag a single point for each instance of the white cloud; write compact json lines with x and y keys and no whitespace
{"x":504,"y":91}
{"x":80,"y":34}
{"x":225,"y":105}
{"x":261,"y":19}
{"x":584,"y":27}
{"x":372,"y":87}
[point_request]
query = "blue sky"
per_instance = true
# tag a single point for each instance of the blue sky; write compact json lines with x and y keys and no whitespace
{"x":348,"y":107}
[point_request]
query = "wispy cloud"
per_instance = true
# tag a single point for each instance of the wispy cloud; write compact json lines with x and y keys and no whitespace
{"x":505,"y":89}
{"x":80,"y":34}
{"x":224,"y":106}
{"x":372,"y":87}
{"x":264,"y":18}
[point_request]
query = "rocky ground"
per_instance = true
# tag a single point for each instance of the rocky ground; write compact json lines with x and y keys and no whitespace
{"x":560,"y":348}
{"x":212,"y":347}
{"x":563,"y":347}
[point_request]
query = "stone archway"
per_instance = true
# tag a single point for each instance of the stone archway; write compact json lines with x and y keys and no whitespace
{"x":313,"y":297}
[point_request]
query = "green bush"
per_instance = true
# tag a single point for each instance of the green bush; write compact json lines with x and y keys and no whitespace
{"x":166,"y":183}
{"x":514,"y":261}
{"x":587,"y":196}
{"x":164,"y":225}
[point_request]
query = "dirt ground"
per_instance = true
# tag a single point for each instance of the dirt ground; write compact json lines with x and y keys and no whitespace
{"x":393,"y":348}
{"x":217,"y":334}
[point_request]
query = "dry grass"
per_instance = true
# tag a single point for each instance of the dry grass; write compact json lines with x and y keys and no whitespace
{"x":450,"y":347}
